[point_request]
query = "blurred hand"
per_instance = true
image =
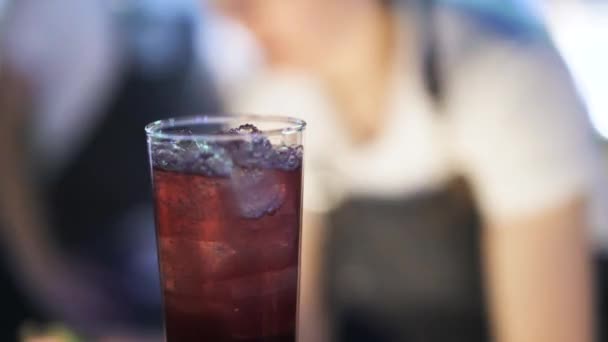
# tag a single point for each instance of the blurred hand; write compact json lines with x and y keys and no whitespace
{"x":30,"y":332}
{"x":72,"y":292}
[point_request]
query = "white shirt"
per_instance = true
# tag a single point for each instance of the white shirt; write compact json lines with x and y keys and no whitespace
{"x":513,"y":125}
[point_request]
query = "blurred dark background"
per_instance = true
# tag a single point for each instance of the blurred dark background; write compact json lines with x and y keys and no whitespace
{"x":78,"y":82}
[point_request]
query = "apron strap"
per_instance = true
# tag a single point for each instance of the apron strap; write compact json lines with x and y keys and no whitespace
{"x":431,"y":52}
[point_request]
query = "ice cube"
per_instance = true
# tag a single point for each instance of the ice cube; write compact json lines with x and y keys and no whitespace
{"x":244,"y":129}
{"x":252,"y":154}
{"x":257,"y":191}
{"x":287,"y":157}
{"x":217,"y":162}
{"x":253,"y":151}
{"x":166,"y":156}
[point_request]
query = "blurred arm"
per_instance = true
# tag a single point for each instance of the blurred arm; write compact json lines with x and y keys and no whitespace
{"x":525,"y":142}
{"x":17,"y":208}
{"x":23,"y":229}
{"x":538,"y":269}
{"x":45,"y":274}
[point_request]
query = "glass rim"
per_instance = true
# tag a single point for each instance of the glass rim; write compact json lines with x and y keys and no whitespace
{"x":155,"y":129}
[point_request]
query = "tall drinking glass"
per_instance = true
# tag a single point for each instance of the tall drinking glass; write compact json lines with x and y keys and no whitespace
{"x":227,"y":194}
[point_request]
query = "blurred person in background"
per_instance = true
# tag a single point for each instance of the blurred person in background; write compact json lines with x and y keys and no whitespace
{"x":78,"y":82}
{"x":451,"y":174}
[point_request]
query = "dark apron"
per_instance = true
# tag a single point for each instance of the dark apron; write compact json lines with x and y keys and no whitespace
{"x":406,"y":270}
{"x":410,"y":269}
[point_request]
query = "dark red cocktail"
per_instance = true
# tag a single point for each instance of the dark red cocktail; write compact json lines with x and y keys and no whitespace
{"x":228,"y":216}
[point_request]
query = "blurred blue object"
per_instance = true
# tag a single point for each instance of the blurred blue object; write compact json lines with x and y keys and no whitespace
{"x":160,"y":31}
{"x":511,"y":17}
